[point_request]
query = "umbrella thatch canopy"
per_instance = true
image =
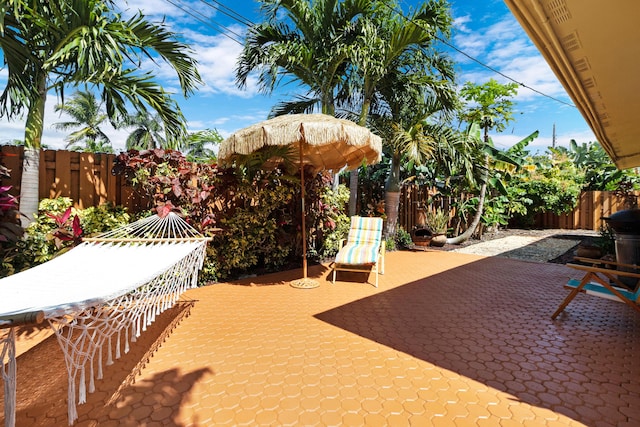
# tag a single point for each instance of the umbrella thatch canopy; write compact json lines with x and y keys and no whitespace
{"x":327,"y":142}
{"x":320,"y":141}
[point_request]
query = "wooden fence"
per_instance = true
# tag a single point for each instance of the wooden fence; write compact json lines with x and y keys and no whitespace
{"x":412,"y":197}
{"x":84,"y":177}
{"x":87,"y":179}
{"x":592,"y":207}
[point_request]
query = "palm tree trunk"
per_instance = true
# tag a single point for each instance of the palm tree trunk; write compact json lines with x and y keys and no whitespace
{"x":392,"y":197}
{"x":353,"y":176}
{"x":29,"y":185}
{"x":353,"y":191}
{"x":474,"y":223}
{"x":392,"y":205}
{"x":483,"y":192}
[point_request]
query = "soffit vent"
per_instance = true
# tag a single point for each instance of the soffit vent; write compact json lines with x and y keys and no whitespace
{"x":571,"y":42}
{"x":589,"y":83}
{"x":603,"y":116}
{"x":558,"y":11}
{"x":582,"y":65}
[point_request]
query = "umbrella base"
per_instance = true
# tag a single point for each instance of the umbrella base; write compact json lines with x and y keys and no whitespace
{"x":304,"y":283}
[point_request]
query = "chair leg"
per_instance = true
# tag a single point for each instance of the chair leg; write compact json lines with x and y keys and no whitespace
{"x":334,"y":277}
{"x":572,"y":295}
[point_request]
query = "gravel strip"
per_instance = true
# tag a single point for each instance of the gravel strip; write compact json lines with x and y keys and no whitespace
{"x":528,"y":248}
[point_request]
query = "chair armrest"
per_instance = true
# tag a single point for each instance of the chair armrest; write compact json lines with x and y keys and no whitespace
{"x":595,"y":262}
{"x":603,"y":270}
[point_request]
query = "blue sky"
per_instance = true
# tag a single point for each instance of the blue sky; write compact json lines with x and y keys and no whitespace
{"x":484,"y":30}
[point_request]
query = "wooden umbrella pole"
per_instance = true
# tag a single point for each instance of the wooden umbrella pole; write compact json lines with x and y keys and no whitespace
{"x":304,"y":226}
{"x":304,"y":282}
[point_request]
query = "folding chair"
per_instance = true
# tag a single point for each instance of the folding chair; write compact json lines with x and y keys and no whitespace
{"x":604,"y":282}
{"x":364,"y":248}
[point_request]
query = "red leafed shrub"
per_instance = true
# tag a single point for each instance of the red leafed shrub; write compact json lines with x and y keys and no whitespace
{"x":166,"y":177}
{"x":258,"y":211}
{"x":10,"y":229}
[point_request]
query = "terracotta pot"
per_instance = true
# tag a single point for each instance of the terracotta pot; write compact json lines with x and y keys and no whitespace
{"x":439,"y":240}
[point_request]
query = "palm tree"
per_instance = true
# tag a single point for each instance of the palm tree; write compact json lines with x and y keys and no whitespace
{"x":53,"y":45}
{"x":147,"y":133}
{"x":86,"y":113}
{"x":334,"y":47}
{"x":196,"y":146}
{"x":392,"y":44}
{"x":312,"y":47}
{"x":492,"y":108}
{"x":410,"y":103}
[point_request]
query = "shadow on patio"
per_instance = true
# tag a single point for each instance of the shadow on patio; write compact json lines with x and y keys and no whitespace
{"x":489,"y":321}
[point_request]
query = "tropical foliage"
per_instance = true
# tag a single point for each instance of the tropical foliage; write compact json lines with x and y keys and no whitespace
{"x":50,"y":46}
{"x":346,"y":53}
{"x":10,"y":230}
{"x":490,"y":106}
{"x":57,"y":227}
{"x":257,"y":211}
{"x":199,"y":146}
{"x":86,"y":113}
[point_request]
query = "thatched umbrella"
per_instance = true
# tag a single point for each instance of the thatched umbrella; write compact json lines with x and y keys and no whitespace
{"x":321,"y":141}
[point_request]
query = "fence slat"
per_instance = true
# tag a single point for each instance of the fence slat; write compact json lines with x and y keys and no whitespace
{"x":86,"y":177}
{"x":61,"y":186}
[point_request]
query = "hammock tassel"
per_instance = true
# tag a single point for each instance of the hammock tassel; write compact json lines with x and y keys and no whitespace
{"x":72,"y":412}
{"x":9,"y":376}
{"x":126,"y":340}
{"x":109,"y":357}
{"x":100,"y":362}
{"x":118,"y":346}
{"x":82,"y":387}
{"x":92,"y":384}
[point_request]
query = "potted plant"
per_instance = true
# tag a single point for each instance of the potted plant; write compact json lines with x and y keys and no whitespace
{"x":420,"y":235}
{"x":437,"y":221}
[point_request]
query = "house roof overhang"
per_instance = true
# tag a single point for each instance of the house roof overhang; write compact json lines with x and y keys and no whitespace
{"x":593,"y":47}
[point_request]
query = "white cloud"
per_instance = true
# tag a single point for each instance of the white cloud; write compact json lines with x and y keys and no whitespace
{"x":217,"y":63}
{"x":504,"y":46}
{"x":179,"y":11}
{"x":460,"y":23}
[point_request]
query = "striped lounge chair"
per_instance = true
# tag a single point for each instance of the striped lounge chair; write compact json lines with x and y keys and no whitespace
{"x":364,"y":248}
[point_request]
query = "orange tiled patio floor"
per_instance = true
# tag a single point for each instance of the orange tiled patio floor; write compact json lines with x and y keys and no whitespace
{"x":447,"y":340}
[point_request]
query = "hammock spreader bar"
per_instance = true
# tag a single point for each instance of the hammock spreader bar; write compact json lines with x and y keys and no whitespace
{"x":22,"y":319}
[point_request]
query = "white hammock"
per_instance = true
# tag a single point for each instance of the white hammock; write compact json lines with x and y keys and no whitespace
{"x":108,"y":288}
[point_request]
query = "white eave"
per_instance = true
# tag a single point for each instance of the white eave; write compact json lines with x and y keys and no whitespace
{"x":593,"y":47}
